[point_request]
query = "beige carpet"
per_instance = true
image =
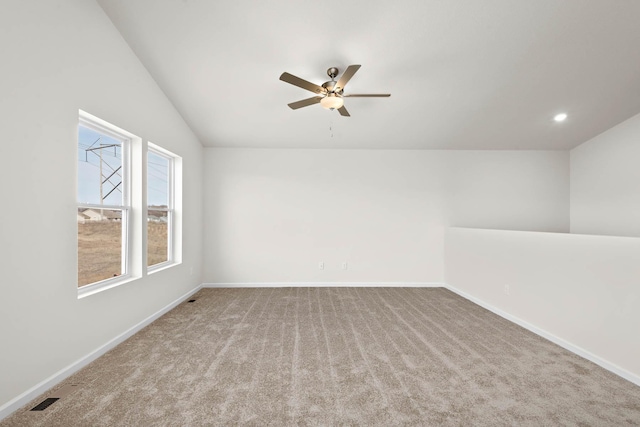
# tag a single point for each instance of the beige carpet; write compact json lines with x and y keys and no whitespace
{"x":338,"y":356}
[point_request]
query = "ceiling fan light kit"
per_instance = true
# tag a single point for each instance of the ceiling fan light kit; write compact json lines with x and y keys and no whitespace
{"x":332,"y":101}
{"x":330,"y":94}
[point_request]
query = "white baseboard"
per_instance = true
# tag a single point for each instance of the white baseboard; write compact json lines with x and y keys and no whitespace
{"x":24,"y":398}
{"x":629,"y":376}
{"x":325,"y":284}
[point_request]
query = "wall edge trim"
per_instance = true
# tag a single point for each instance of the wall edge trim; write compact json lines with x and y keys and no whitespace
{"x":324,"y":284}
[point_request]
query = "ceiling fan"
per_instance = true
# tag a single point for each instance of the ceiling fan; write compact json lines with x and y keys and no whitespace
{"x":331,"y":93}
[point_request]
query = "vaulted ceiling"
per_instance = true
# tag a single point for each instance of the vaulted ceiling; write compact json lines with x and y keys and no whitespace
{"x":463,"y":74}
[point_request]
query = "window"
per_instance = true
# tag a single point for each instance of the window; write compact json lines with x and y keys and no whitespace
{"x":103,"y":203}
{"x":115,"y":212}
{"x":160,"y":207}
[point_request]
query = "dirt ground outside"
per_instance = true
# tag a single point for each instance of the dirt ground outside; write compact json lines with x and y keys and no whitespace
{"x":100,"y":249}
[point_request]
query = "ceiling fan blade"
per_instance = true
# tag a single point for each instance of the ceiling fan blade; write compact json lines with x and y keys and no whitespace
{"x":368,"y":95}
{"x":343,"y":112}
{"x":305,"y":102}
{"x":346,"y":76}
{"x":301,"y":83}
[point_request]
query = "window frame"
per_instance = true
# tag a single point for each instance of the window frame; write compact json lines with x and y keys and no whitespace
{"x":170,"y":209}
{"x":134,"y":208}
{"x":91,"y":122}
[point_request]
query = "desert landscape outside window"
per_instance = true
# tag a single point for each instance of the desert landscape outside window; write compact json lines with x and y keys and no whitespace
{"x":103,"y":203}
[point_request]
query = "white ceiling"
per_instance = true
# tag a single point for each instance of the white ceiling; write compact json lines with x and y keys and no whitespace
{"x":463,"y":74}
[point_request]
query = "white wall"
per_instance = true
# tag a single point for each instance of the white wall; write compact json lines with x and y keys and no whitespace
{"x":272,"y":215}
{"x":58,"y":57}
{"x":509,"y":190}
{"x":605,"y":182}
{"x":581,"y":289}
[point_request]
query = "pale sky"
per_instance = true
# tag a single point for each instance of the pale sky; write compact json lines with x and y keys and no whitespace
{"x":89,"y":171}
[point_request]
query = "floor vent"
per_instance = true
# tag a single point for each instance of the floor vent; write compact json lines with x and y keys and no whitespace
{"x":192,"y":300}
{"x":55,"y":396}
{"x":45,"y":404}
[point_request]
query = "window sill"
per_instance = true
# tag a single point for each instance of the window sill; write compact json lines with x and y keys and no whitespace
{"x":162,"y":266}
{"x":97,"y":287}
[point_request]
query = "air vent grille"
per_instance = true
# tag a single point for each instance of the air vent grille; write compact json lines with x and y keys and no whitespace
{"x":45,"y":404}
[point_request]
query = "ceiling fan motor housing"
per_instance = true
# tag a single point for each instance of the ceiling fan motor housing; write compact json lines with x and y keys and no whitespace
{"x":329,"y":86}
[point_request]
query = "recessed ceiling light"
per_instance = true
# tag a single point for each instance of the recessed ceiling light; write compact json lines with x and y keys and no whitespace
{"x":560,"y":117}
